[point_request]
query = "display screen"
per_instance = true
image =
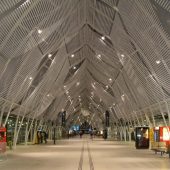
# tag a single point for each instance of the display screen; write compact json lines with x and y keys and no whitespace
{"x":166,"y":134}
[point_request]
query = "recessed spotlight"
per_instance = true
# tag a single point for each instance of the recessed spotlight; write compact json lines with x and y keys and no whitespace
{"x":158,"y":61}
{"x":39,"y":31}
{"x":67,"y":92}
{"x":99,"y":56}
{"x":110,"y":79}
{"x":122,"y":55}
{"x":103,"y":38}
{"x":30,"y":78}
{"x":48,"y":95}
{"x":74,"y":67}
{"x":107,"y":86}
{"x":72,"y":55}
{"x":49,"y":55}
{"x":78,"y":83}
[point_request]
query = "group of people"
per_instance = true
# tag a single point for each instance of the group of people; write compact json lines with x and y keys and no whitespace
{"x":42,"y":137}
{"x":91,"y":132}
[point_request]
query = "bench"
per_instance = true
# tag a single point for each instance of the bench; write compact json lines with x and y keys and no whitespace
{"x":160,"y":147}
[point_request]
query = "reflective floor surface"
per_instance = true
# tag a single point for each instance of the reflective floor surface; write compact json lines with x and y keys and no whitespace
{"x":83,"y":154}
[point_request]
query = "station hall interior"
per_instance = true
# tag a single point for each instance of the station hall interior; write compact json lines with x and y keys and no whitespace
{"x":85,"y":84}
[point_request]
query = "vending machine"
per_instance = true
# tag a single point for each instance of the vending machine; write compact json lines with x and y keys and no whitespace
{"x":2,"y":139}
{"x":142,"y":137}
{"x":2,"y":134}
{"x":162,"y":134}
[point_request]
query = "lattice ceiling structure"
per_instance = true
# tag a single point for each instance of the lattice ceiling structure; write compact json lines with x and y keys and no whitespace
{"x":93,"y":54}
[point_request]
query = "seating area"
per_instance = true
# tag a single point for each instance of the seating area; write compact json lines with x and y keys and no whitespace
{"x":161,"y":147}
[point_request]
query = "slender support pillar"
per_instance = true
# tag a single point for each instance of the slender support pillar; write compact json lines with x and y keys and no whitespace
{"x":54,"y":136}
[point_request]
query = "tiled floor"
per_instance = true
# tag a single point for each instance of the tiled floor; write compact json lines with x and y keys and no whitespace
{"x":84,"y":154}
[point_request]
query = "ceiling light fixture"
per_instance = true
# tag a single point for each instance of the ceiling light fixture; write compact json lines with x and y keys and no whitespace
{"x":39,"y":31}
{"x":110,"y":79}
{"x":78,"y":83}
{"x":49,"y":55}
{"x":99,"y":56}
{"x":158,"y":61}
{"x":30,"y":78}
{"x":72,"y":55}
{"x":103,"y":38}
{"x":122,"y":55}
{"x":74,"y":67}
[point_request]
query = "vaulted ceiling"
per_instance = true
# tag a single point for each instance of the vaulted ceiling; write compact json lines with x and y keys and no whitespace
{"x":94,"y":55}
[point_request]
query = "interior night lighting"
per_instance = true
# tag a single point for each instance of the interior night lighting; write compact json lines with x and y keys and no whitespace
{"x":99,"y":56}
{"x":158,"y":61}
{"x":30,"y":78}
{"x":39,"y":31}
{"x":72,"y":55}
{"x":122,"y":55}
{"x":103,"y":38}
{"x":49,"y":55}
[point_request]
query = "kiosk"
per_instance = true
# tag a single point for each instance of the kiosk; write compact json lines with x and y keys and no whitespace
{"x":162,"y":134}
{"x":2,"y":140}
{"x":142,"y":137}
